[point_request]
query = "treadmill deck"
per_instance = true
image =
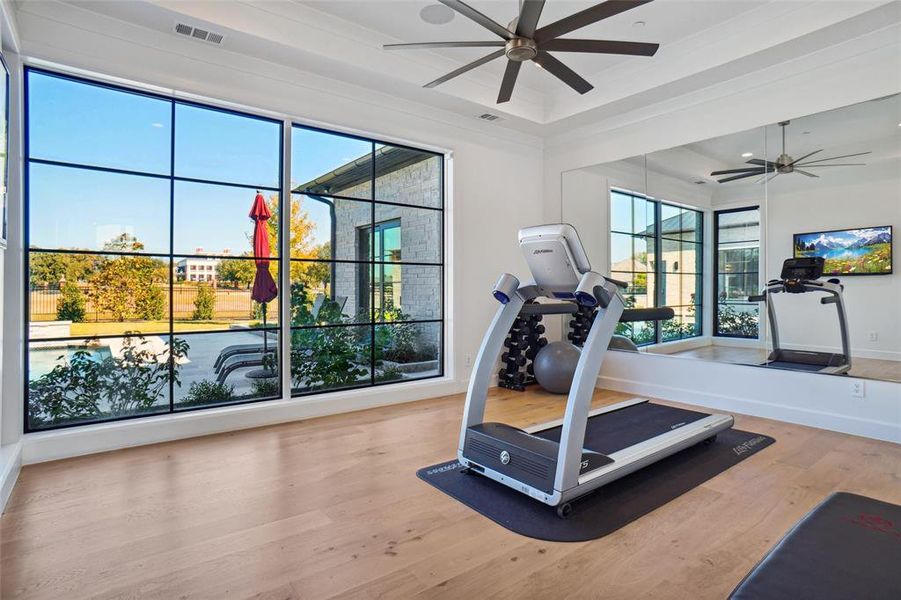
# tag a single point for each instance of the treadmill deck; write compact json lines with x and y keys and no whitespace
{"x":611,"y":432}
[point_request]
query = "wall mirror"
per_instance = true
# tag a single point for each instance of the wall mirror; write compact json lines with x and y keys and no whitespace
{"x":704,"y":227}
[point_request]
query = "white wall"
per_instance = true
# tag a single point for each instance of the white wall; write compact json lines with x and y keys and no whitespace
{"x":873,"y":303}
{"x":10,"y":414}
{"x":494,"y":184}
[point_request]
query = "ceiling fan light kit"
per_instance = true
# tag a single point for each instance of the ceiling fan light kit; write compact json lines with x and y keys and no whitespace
{"x":784,"y":164}
{"x":522,"y":40}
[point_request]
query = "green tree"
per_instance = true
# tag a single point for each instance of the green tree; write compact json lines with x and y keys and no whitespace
{"x":204,"y":303}
{"x":71,"y":306}
{"x":126,"y":287}
{"x":49,"y":268}
{"x":318,"y":274}
{"x":237,"y":272}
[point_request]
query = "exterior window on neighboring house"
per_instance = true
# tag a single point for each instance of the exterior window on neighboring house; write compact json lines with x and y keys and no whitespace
{"x":384,"y":286}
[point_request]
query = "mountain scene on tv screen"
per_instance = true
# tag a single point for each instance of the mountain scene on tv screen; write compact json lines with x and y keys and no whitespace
{"x":850,"y":252}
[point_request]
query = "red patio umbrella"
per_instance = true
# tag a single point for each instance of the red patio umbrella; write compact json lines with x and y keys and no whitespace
{"x":264,"y":288}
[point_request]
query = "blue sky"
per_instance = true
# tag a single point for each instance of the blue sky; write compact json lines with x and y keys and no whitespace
{"x":82,"y":124}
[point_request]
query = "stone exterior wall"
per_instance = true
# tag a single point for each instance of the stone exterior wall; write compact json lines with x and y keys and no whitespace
{"x":421,"y":231}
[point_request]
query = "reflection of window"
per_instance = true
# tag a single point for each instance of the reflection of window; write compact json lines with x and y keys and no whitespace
{"x":657,"y":249}
{"x":385,"y":287}
{"x":737,"y":251}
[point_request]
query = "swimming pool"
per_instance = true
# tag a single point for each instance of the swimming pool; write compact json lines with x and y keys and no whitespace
{"x":42,"y":360}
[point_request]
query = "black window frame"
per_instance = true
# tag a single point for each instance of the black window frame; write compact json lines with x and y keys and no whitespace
{"x":657,"y":239}
{"x":374,"y":201}
{"x":282,"y":328}
{"x":716,"y":275}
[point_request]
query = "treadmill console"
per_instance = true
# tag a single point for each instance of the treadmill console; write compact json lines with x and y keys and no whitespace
{"x":796,"y":270}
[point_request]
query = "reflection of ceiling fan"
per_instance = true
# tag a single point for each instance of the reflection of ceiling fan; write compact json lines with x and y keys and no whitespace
{"x":522,"y":40}
{"x":784,"y":165}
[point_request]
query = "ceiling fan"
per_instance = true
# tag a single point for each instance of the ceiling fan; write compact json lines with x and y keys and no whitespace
{"x":523,"y":40}
{"x":784,"y":164}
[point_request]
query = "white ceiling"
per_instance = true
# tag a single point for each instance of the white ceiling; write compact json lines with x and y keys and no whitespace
{"x":704,"y":43}
{"x":665,"y":22}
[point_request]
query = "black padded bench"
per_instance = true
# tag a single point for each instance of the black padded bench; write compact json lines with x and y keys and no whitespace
{"x":848,"y":547}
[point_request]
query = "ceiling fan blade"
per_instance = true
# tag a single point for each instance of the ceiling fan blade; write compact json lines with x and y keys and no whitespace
{"x":430,"y":45}
{"x":601,"y":47}
{"x":838,"y":165}
{"x":767,"y":178}
{"x":562,"y":72}
{"x":586,"y":17}
{"x":837,"y":157}
{"x":761,"y":162}
{"x":805,"y":173}
{"x":742,"y":176}
{"x":797,"y":160}
{"x":509,"y":81}
{"x":742,"y":170}
{"x":465,"y":68}
{"x":471,"y":13}
{"x":529,"y":13}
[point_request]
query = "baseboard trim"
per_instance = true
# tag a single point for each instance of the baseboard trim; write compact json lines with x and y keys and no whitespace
{"x":90,"y":439}
{"x":10,"y":465}
{"x":844,"y":423}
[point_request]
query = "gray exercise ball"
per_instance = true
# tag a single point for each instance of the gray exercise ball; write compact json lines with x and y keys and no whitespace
{"x":555,"y":366}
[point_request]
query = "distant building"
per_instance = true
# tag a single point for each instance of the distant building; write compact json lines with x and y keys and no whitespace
{"x":199,"y":268}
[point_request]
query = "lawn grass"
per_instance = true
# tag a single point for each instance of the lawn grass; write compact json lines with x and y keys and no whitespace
{"x":114,"y":328}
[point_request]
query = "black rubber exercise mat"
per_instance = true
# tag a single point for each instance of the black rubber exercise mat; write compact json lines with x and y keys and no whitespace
{"x":605,"y":510}
{"x":847,"y":547}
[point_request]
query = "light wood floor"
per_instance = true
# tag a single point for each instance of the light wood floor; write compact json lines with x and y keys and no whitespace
{"x":332,"y":507}
{"x":868,"y":368}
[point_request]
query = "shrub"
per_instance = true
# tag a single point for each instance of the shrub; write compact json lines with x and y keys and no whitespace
{"x":265,"y":388}
{"x":71,"y":305}
{"x":208,"y":392}
{"x":204,"y":303}
{"x":84,"y":387}
{"x":151,"y":306}
{"x":327,"y":358}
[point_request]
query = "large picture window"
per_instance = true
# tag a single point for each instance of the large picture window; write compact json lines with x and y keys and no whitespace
{"x":737,"y":251}
{"x":154,"y":231}
{"x":366,"y":295}
{"x":657,"y":249}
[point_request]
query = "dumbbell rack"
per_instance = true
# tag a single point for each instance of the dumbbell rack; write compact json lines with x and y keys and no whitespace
{"x":523,"y":342}
{"x":580,"y":325}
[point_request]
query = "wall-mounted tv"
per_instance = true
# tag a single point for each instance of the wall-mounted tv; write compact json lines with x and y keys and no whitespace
{"x":862,"y":251}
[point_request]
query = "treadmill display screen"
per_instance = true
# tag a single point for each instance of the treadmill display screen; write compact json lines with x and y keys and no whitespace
{"x":864,"y":251}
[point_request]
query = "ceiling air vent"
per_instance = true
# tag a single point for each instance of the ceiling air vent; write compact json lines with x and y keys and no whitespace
{"x":488,"y":117}
{"x":197,"y":33}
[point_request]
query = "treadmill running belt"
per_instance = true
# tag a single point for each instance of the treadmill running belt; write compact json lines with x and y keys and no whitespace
{"x":610,"y":432}
{"x":792,"y":366}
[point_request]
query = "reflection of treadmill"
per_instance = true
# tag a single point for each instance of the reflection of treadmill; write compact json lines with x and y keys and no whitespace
{"x":799,"y":276}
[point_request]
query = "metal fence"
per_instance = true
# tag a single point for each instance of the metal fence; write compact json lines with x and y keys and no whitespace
{"x":231,"y":304}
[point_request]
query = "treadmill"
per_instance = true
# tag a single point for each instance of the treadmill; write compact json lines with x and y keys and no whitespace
{"x":800,"y":276}
{"x":559,"y":461}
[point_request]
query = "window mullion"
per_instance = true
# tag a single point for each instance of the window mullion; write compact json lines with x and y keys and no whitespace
{"x":285,"y":261}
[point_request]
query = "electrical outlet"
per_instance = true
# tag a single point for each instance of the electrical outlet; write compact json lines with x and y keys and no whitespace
{"x":874,"y":336}
{"x":469,"y":360}
{"x":859,"y":388}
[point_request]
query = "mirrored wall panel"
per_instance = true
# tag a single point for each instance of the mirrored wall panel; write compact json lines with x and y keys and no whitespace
{"x":773,"y":246}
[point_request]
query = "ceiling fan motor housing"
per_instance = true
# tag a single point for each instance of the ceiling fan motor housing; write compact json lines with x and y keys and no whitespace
{"x":521,"y":49}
